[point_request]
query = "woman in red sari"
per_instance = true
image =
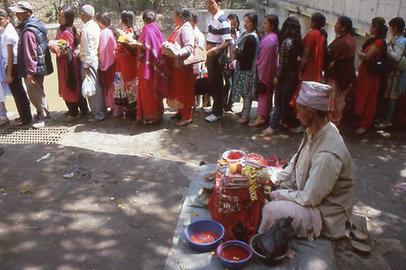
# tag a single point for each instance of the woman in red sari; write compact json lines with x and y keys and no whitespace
{"x":69,"y":83}
{"x":181,"y":79}
{"x":314,"y":45}
{"x":368,"y":83}
{"x":150,"y":107}
{"x":126,"y":61}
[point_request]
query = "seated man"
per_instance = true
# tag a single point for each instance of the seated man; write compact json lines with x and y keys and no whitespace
{"x":316,"y":188}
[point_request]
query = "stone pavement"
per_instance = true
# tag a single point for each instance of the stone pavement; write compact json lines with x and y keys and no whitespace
{"x":98,"y":220}
{"x":314,"y":255}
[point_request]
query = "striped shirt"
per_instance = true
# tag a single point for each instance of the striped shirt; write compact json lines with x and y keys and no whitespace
{"x":219,"y":29}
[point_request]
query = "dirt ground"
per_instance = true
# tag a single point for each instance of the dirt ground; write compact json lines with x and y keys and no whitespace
{"x":129,"y":180}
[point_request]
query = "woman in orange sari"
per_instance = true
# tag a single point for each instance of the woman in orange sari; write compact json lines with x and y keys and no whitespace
{"x":150,"y":108}
{"x":368,"y":83}
{"x":181,"y":80}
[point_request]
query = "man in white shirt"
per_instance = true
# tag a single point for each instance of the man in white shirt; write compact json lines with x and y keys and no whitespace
{"x":218,"y":40}
{"x":89,"y":47}
{"x":8,"y":50}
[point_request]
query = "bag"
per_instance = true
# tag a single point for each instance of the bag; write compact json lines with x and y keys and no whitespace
{"x":120,"y":95}
{"x":260,"y":88}
{"x":48,"y":63}
{"x":401,"y":65}
{"x":379,"y":66}
{"x":198,"y":55}
{"x":88,"y":87}
{"x":275,"y":242}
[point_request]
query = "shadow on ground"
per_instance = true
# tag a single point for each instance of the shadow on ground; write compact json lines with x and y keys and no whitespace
{"x":117,"y":212}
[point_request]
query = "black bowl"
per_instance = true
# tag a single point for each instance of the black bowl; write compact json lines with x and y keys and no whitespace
{"x":260,"y":257}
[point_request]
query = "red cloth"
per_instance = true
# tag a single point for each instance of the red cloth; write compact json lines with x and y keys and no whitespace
{"x":150,"y":104}
{"x":106,"y":79}
{"x":126,"y":62}
{"x":315,"y":41}
{"x":249,"y":215}
{"x":69,"y":95}
{"x":366,"y":91}
{"x":181,"y":84}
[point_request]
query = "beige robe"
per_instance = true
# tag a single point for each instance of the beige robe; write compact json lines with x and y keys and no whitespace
{"x":321,"y":177}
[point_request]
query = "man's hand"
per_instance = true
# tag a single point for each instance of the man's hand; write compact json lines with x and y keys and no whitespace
{"x":275,"y":81}
{"x":31,"y":80}
{"x":275,"y":196}
{"x":85,"y":72}
{"x":9,"y":79}
{"x":212,"y":51}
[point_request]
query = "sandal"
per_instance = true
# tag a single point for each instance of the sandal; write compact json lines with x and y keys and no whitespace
{"x":361,"y":247}
{"x":176,"y":116}
{"x":183,"y":123}
{"x":360,"y":131}
{"x":148,"y":122}
{"x":209,"y":177}
{"x":243,"y":120}
{"x":259,"y":122}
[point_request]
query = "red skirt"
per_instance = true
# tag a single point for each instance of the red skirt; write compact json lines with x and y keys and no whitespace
{"x":149,"y":105}
{"x":181,"y":87}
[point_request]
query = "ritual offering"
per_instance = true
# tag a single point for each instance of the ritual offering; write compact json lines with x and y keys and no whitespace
{"x":233,"y":155}
{"x":59,"y":46}
{"x":204,"y":235}
{"x":240,"y":186}
{"x":234,"y":254}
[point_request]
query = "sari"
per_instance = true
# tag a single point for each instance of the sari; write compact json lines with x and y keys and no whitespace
{"x":341,"y":74}
{"x":182,"y":81}
{"x":367,"y":88}
{"x":316,"y":42}
{"x":150,"y":98}
{"x":267,"y":63}
{"x":125,"y":78}
{"x":68,"y":68}
{"x":107,"y":65}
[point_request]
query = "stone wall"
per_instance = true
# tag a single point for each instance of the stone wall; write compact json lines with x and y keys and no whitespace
{"x":360,"y":11}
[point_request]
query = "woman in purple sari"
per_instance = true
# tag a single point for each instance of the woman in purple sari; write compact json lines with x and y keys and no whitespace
{"x":267,"y":62}
{"x":150,"y":107}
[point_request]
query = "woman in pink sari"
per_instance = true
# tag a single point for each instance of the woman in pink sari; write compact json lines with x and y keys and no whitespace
{"x":267,"y":62}
{"x":107,"y":61}
{"x":150,"y":107}
{"x":69,"y":83}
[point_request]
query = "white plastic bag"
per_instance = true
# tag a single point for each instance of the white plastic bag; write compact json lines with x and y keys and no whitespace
{"x":88,"y":87}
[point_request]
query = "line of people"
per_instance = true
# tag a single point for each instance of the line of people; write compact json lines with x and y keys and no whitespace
{"x":131,"y":72}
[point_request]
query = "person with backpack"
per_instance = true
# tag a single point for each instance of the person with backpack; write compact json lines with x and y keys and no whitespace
{"x":396,"y":79}
{"x":33,"y":57}
{"x":370,"y":74}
